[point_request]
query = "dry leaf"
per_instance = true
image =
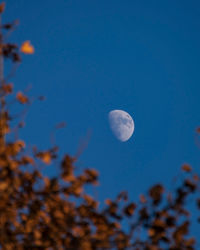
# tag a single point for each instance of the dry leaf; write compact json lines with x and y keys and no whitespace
{"x":108,"y":202}
{"x":22,"y":98}
{"x":151,"y":232}
{"x":45,"y":157}
{"x":129,"y":210}
{"x":3,"y":186}
{"x":2,"y":7}
{"x":27,"y":160}
{"x":186,"y":168}
{"x":143,"y":199}
{"x":20,"y":144}
{"x":27,"y":48}
{"x":7,"y":88}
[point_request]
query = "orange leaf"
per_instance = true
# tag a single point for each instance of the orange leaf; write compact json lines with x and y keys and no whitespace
{"x":22,"y":98}
{"x":3,"y":186}
{"x":45,"y":157}
{"x":2,"y":7}
{"x":186,"y":168}
{"x":142,"y":199}
{"x":195,"y":177}
{"x":129,"y":210}
{"x":7,"y":88}
{"x":27,"y":160}
{"x":17,"y":146}
{"x":27,"y":48}
{"x":151,"y":232}
{"x":117,"y":225}
{"x":21,"y":143}
{"x":108,"y":202}
{"x":68,"y":177}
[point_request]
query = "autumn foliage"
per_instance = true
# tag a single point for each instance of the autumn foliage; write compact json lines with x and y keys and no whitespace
{"x":39,"y":212}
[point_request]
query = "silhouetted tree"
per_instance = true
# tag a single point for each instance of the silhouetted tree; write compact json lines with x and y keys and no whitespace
{"x":38,"y":212}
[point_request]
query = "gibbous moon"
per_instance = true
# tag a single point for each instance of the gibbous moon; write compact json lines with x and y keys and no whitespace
{"x":121,"y":124}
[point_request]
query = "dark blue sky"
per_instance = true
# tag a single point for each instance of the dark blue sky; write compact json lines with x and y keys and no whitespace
{"x":95,"y":56}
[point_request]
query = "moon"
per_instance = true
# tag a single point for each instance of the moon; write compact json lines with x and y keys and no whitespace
{"x":121,"y":124}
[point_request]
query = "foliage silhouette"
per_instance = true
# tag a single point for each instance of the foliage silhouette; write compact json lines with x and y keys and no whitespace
{"x":38,"y":212}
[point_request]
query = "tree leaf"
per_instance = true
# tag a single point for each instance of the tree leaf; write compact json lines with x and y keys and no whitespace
{"x":22,"y":98}
{"x":186,"y":168}
{"x":2,"y":7}
{"x":27,"y":48}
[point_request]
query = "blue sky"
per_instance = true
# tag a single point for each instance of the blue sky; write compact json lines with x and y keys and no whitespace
{"x":95,"y":56}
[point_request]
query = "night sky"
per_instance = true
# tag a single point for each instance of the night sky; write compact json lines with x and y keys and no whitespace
{"x":95,"y":56}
